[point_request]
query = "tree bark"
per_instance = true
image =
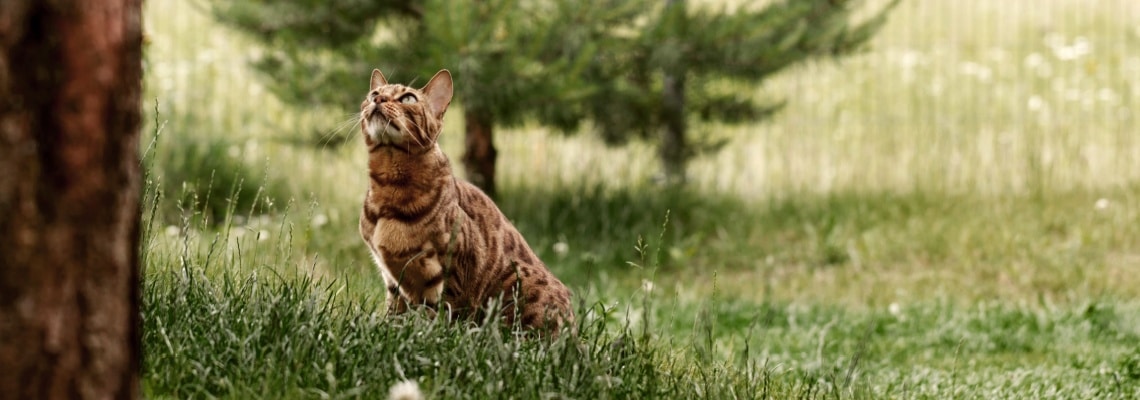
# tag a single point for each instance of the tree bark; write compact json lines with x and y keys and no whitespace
{"x":69,"y":198}
{"x":674,"y":152}
{"x":480,"y":154}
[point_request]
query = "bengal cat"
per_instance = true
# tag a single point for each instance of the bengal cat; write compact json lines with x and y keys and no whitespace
{"x":438,"y":240}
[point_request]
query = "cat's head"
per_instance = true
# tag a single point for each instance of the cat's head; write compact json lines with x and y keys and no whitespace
{"x":403,"y":117}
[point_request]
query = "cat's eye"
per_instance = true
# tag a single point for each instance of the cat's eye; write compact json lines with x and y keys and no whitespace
{"x":408,"y":99}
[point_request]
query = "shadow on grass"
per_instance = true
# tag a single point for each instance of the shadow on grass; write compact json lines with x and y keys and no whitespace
{"x":588,"y":229}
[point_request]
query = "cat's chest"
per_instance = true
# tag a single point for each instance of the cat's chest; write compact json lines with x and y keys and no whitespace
{"x":392,"y":235}
{"x":413,"y":273}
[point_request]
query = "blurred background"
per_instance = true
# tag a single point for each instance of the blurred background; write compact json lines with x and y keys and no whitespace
{"x":856,"y":153}
{"x":936,"y":199}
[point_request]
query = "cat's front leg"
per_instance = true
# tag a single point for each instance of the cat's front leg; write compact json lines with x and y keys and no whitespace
{"x":394,"y":301}
{"x":396,"y":304}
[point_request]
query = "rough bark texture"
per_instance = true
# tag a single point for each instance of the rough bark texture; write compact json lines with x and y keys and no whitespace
{"x":479,"y":154}
{"x":69,"y":198}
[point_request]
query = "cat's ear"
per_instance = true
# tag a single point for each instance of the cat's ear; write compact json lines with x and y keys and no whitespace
{"x":378,"y":79}
{"x":438,"y":91}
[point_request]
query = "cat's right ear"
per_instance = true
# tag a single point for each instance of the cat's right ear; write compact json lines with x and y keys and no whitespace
{"x":377,"y":79}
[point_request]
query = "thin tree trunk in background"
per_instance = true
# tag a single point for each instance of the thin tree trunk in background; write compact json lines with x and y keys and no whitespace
{"x":479,"y":154}
{"x":673,"y":149}
{"x":69,"y":198}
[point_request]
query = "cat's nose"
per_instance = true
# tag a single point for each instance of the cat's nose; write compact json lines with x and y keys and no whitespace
{"x":380,"y":99}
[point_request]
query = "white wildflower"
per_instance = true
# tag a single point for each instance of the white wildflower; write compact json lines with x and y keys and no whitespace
{"x":1101,"y":204}
{"x":561,"y":248}
{"x":647,"y":285}
{"x":1037,"y":63}
{"x":910,"y":59}
{"x":173,"y":230}
{"x":978,"y":71}
{"x":320,"y":220}
{"x":262,"y":235}
{"x":1034,"y":60}
{"x":895,"y":309}
{"x":405,"y":390}
{"x":1067,"y":52}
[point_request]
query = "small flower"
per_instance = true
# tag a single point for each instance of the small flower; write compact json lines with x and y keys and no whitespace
{"x":647,"y":285}
{"x":978,"y":71}
{"x":895,"y":309}
{"x":1101,"y":204}
{"x":262,"y":235}
{"x":1035,"y":103}
{"x":320,"y":220}
{"x":910,"y":59}
{"x":405,"y":390}
{"x":1034,"y":60}
{"x":1067,"y":52}
{"x":173,"y":230}
{"x":561,"y":248}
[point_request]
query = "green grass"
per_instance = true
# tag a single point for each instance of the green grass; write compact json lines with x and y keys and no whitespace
{"x":268,"y":337}
{"x":219,"y":333}
{"x":953,"y":214}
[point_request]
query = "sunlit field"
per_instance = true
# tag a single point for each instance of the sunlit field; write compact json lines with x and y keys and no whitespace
{"x":954,"y":213}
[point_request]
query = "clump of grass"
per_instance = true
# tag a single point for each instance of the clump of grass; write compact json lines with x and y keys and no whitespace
{"x":261,"y":335}
{"x":208,"y":178}
{"x":222,"y":318}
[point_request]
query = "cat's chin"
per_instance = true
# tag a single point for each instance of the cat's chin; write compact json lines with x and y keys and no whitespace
{"x":380,"y":131}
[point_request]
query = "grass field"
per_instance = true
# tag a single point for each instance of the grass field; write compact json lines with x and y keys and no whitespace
{"x":953,"y":214}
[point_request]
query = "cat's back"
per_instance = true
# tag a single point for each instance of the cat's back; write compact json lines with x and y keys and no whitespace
{"x":486,"y":216}
{"x":508,"y":265}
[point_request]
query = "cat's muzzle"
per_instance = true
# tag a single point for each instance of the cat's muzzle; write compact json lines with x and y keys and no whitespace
{"x":382,"y":130}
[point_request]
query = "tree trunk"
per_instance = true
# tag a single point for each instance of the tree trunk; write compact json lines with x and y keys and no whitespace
{"x":69,"y":198}
{"x":673,"y":147}
{"x":479,"y":155}
{"x":674,"y":154}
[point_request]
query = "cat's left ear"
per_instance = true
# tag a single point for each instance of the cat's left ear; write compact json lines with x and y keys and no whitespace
{"x":438,"y":91}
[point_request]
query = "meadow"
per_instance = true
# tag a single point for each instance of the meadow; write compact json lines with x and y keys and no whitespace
{"x":954,"y":213}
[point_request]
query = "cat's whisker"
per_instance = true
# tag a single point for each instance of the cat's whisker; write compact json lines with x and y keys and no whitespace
{"x":416,"y":137}
{"x":421,"y":130}
{"x":328,"y":137}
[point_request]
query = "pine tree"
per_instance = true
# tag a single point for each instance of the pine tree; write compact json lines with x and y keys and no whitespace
{"x":634,"y":68}
{"x":657,"y":82}
{"x":509,"y":57}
